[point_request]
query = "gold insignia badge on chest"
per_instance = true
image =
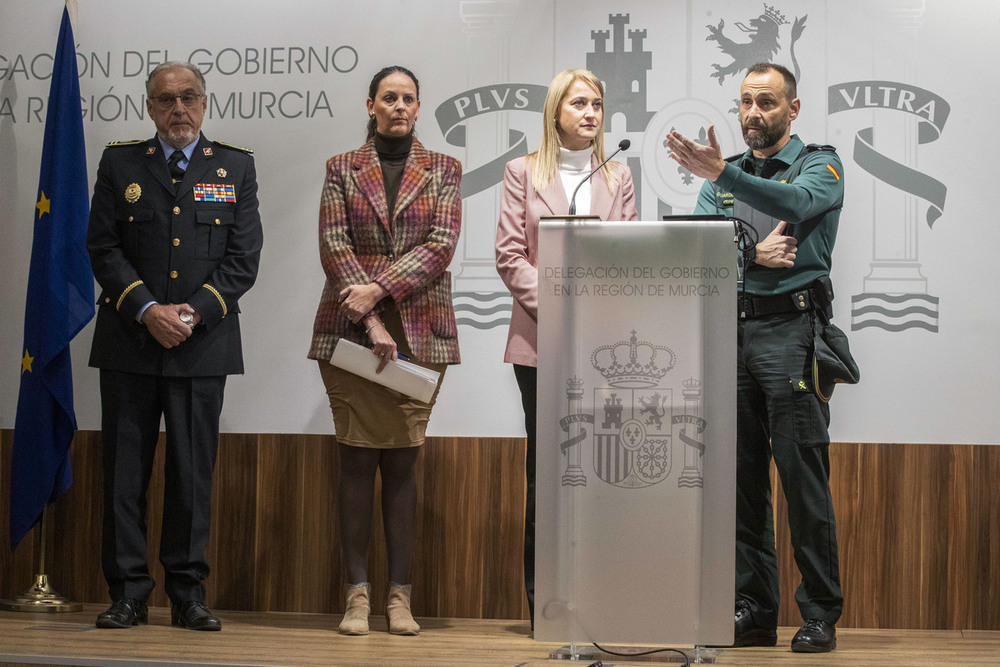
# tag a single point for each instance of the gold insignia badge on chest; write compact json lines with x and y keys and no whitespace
{"x":132,"y":193}
{"x":221,"y":172}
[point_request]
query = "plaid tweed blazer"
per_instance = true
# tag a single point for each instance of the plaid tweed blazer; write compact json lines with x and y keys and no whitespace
{"x":406,"y":251}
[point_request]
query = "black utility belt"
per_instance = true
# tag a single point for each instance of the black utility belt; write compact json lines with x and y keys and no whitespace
{"x":814,"y":297}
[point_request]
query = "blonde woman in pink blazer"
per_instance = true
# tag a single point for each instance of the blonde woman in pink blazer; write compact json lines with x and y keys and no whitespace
{"x":541,"y":184}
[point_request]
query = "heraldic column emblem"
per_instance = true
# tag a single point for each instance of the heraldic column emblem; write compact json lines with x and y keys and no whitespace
{"x":692,"y":476}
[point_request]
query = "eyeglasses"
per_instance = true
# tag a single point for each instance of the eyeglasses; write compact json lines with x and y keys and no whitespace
{"x":167,"y":102}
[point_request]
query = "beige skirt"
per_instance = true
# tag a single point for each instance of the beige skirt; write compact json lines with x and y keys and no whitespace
{"x":366,"y":414}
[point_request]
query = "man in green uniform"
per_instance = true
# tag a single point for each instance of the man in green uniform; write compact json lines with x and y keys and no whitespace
{"x":784,"y":292}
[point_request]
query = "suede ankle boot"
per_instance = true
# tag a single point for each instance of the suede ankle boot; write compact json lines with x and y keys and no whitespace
{"x":356,"y":610}
{"x":397,"y":611}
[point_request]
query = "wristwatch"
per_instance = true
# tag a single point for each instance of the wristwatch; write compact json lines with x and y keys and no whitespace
{"x":188,"y":319}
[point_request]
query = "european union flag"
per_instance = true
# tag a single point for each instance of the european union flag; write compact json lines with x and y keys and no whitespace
{"x":60,"y":302}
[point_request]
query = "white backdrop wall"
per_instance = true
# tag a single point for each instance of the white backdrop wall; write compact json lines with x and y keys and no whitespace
{"x":901,"y":87}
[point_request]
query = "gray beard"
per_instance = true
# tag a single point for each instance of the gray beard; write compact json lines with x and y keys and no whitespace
{"x":179,"y":140}
{"x":765,"y":139}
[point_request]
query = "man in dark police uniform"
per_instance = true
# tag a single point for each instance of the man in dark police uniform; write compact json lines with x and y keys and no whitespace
{"x":779,"y":412}
{"x":175,"y":240}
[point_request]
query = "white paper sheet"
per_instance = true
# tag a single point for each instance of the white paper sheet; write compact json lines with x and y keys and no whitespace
{"x":400,"y":375}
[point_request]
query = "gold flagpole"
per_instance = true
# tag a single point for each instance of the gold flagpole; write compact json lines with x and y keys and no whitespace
{"x":41,"y":596}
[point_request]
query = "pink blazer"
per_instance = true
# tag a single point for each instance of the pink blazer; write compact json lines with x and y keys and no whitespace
{"x":521,"y":206}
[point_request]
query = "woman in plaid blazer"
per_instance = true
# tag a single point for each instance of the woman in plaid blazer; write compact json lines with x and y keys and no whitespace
{"x":390,"y":216}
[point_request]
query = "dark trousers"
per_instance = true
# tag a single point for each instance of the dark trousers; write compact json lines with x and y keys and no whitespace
{"x":779,"y":416}
{"x":131,"y":408}
{"x":527,"y":382}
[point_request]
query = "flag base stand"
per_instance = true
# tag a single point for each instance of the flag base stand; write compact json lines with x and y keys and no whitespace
{"x":40,"y":598}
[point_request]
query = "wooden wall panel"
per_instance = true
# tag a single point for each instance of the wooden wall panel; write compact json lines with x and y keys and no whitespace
{"x":917,"y":528}
{"x":74,"y":537}
{"x":235,"y":529}
{"x":450,"y":576}
{"x":503,"y":548}
{"x":982,"y":598}
{"x":918,"y":525}
{"x":17,"y":568}
{"x":296,"y":555}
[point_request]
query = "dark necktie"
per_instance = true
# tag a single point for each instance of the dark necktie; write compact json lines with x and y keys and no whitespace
{"x":173,"y":164}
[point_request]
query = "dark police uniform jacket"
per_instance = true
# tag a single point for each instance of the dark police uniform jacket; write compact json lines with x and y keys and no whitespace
{"x":200,"y":246}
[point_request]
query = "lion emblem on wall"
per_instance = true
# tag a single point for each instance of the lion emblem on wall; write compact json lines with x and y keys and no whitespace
{"x":763,"y":45}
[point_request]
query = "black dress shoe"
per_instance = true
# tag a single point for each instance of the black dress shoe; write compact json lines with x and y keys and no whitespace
{"x":124,"y":613}
{"x":747,"y":632}
{"x":815,"y":636}
{"x":194,"y":615}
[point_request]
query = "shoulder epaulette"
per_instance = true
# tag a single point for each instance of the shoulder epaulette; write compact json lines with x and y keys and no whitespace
{"x":820,"y":147}
{"x":130,"y":142}
{"x":248,"y":151}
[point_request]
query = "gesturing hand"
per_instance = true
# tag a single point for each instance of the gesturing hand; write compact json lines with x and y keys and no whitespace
{"x":702,"y":161}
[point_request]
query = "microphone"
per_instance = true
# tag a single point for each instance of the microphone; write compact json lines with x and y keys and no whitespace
{"x":622,"y":146}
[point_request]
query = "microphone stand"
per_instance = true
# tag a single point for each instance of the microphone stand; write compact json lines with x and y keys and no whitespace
{"x":622,"y":146}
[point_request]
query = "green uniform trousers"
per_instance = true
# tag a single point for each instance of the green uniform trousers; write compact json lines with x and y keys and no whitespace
{"x":779,"y":416}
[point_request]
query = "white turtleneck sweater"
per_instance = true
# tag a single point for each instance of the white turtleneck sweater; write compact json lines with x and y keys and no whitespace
{"x":573,"y":168}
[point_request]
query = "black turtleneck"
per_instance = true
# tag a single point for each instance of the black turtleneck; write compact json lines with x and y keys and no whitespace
{"x":392,"y":153}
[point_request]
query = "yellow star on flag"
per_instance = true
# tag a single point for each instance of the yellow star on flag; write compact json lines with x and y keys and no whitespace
{"x":43,"y":205}
{"x":26,"y":361}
